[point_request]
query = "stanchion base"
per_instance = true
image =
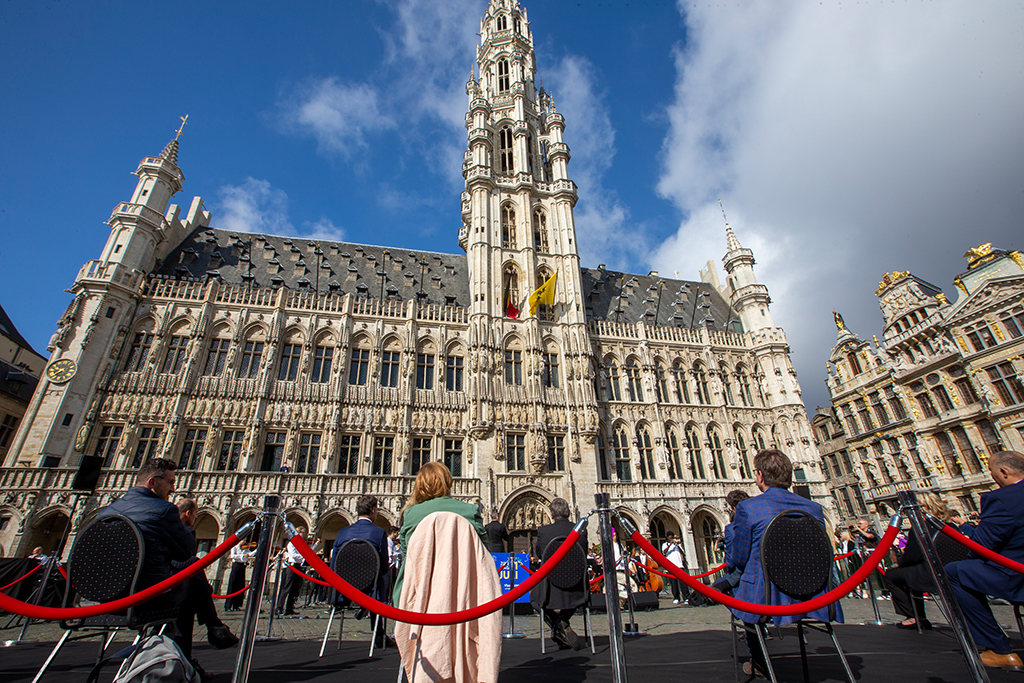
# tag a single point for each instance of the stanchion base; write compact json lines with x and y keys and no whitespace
{"x":268,"y":639}
{"x":513,"y":635}
{"x":877,"y":623}
{"x":633,"y":634}
{"x":24,"y":641}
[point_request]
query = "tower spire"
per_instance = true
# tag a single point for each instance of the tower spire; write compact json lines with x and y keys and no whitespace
{"x":731,"y":242}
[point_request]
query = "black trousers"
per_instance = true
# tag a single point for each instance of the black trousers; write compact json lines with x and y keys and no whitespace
{"x":556,"y":618}
{"x":902,"y":600}
{"x":291,"y":584}
{"x":236,"y":582}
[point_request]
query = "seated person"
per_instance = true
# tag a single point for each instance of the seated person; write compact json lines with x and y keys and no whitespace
{"x":559,"y":604}
{"x":911,"y":571}
{"x":366,"y":529}
{"x":167,"y":541}
{"x":1000,"y":528}
{"x":728,"y":583}
{"x":773,"y":472}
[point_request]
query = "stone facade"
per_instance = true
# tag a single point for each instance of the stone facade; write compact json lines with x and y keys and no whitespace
{"x":323,"y":371}
{"x":838,"y":466}
{"x":928,"y":403}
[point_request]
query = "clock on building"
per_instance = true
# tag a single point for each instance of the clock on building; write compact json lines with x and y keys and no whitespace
{"x":61,"y":370}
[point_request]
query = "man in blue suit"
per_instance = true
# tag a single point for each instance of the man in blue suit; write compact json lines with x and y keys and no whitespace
{"x":773,"y":472}
{"x":366,"y":528}
{"x":1001,"y":529}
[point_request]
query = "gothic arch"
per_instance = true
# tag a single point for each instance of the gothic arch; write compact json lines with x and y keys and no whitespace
{"x":426,"y":344}
{"x":524,"y":511}
{"x":294,"y":335}
{"x":45,"y":528}
{"x":180,"y":324}
{"x":362,"y":340}
{"x":328,"y":526}
{"x":256,"y":331}
{"x":207,"y":528}
{"x":633,"y":516}
{"x":706,"y":524}
{"x":392,"y":342}
{"x":240,"y":518}
{"x":325,"y":336}
{"x":298,"y":517}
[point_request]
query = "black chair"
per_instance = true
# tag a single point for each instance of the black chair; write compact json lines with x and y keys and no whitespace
{"x":566,"y":575}
{"x":796,"y":557}
{"x":948,"y":550}
{"x":358,"y":563}
{"x":105,"y":564}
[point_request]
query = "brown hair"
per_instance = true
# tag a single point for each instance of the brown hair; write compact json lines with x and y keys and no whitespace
{"x":432,"y":481}
{"x":186,"y":505}
{"x":776,"y":468}
{"x":154,"y":467}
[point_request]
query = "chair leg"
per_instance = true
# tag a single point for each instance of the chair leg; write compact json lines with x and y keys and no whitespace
{"x":327,"y":632}
{"x":767,"y":658}
{"x":543,"y":646}
{"x":107,"y":640}
{"x":917,"y":615}
{"x":1020,"y":622}
{"x":842,"y":655}
{"x":56,"y":649}
{"x":803,"y":651}
{"x":590,"y":630}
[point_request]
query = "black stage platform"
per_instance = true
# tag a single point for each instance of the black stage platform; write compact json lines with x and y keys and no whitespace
{"x":876,"y":654}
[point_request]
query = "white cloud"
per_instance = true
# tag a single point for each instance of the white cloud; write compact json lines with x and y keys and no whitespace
{"x":600,"y":214}
{"x":338,"y":115}
{"x":852,"y":139}
{"x":258,"y":207}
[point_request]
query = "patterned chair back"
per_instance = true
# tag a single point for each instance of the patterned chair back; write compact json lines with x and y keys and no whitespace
{"x":796,"y":556}
{"x":358,"y":563}
{"x":568,"y":573}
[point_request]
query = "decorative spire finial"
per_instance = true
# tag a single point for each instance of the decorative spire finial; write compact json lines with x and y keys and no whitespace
{"x":840,"y":323}
{"x":184,"y":122}
{"x":730,"y":237}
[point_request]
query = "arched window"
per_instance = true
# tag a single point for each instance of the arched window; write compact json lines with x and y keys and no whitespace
{"x":323,"y":360}
{"x":359,"y":363}
{"x":540,"y":231}
{"x":717,"y":458}
{"x":454,"y":362}
{"x":508,"y":227}
{"x":726,"y":384}
{"x":636,"y":390}
{"x":661,"y":383}
{"x":505,"y":152}
{"x":602,"y":455}
{"x":291,"y":355}
{"x":138,"y":354}
{"x":514,"y":363}
{"x":759,"y":438}
{"x":501,"y":23}
{"x":550,"y":373}
{"x":741,"y":448}
{"x":217,"y":356}
{"x":675,"y":463}
{"x":643,"y":444}
{"x":176,"y":350}
{"x":701,"y":378}
{"x":425,"y":366}
{"x":510,"y":278}
{"x":620,"y":444}
{"x":390,"y":363}
{"x":614,"y":388}
{"x":503,"y":80}
{"x":682,"y":390}
{"x":696,"y":461}
{"x":252,"y":354}
{"x":744,"y":381}
{"x":544,"y":311}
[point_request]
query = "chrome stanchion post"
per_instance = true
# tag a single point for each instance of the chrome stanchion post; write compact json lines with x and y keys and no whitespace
{"x":274,"y":599}
{"x":512,"y":561}
{"x":630,"y":629}
{"x":611,"y":590}
{"x":908,"y":499}
{"x":257,"y":586}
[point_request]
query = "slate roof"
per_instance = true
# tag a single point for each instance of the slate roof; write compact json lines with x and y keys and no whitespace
{"x":17,"y":381}
{"x":438,"y":278}
{"x":8,"y":329}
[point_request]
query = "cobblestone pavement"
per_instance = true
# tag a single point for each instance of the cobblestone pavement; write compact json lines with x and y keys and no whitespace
{"x":312,"y":621}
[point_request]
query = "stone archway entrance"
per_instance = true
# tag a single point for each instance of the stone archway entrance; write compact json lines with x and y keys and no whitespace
{"x":523,"y":516}
{"x":328,"y":528}
{"x":207,"y":531}
{"x":661,"y":524}
{"x":46,"y":531}
{"x":707,"y":534}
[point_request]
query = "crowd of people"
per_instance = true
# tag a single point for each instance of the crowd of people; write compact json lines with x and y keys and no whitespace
{"x":410,"y":563}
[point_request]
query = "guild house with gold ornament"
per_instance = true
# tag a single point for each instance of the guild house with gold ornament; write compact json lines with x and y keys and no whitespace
{"x":929,"y":402}
{"x":322,"y":371}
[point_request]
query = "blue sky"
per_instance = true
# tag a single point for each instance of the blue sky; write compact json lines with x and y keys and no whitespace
{"x":845,"y":139}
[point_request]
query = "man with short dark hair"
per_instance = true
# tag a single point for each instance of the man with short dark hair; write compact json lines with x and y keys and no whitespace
{"x":559,"y":604}
{"x":497,"y":535}
{"x":365,"y":528}
{"x":168,"y":543}
{"x":773,"y":472}
{"x":1001,"y":529}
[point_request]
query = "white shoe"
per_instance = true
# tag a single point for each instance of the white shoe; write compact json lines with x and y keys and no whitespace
{"x":675,"y":602}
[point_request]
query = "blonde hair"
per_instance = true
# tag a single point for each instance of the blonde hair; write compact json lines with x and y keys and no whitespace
{"x":434,"y":480}
{"x":932,"y":504}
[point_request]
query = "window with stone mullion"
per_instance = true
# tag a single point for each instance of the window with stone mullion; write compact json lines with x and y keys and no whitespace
{"x":252,"y":355}
{"x":175,"y":354}
{"x":383,"y":454}
{"x":322,"y":360}
{"x":141,"y":345}
{"x":389,"y":365}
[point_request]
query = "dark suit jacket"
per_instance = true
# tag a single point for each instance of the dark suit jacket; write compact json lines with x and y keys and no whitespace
{"x":166,"y":538}
{"x":1001,"y":529}
{"x":497,"y":536}
{"x":744,"y":549}
{"x":365,"y":529}
{"x":545,"y":595}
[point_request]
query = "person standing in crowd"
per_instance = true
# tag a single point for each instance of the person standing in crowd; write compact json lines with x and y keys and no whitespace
{"x":497,"y":536}
{"x":673,"y":552}
{"x":166,"y":541}
{"x":38,"y":554}
{"x":366,"y":528}
{"x":1000,"y":528}
{"x":291,"y":583}
{"x":430,"y":494}
{"x":240,"y":555}
{"x":728,"y":583}
{"x":559,"y":604}
{"x":773,"y":472}
{"x":911,"y":572}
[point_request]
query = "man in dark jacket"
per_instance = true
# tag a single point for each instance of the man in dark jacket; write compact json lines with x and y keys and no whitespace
{"x":1001,"y":529}
{"x":559,"y":604}
{"x":497,"y":536}
{"x":366,"y":528}
{"x":167,"y":541}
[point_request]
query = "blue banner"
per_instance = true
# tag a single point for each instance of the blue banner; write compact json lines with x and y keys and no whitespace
{"x":501,"y":563}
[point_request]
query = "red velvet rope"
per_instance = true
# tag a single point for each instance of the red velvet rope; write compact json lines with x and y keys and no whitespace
{"x":596,"y":579}
{"x":776,"y":610}
{"x":230,"y":595}
{"x":307,"y":577}
{"x":981,"y":550}
{"x":525,"y":568}
{"x":845,"y":555}
{"x":429,"y":619}
{"x":9,"y":604}
{"x":23,"y":576}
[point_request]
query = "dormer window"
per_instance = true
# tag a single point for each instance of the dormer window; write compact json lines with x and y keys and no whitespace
{"x":503,"y":80}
